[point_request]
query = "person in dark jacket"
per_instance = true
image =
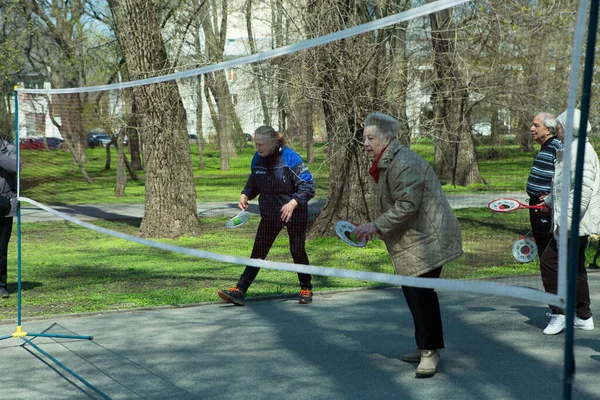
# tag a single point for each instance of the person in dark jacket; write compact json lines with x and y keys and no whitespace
{"x":8,"y":206}
{"x":284,"y":186}
{"x":539,"y":182}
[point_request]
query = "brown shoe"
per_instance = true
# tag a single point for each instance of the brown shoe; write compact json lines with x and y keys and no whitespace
{"x":413,"y":357}
{"x":428,"y":365}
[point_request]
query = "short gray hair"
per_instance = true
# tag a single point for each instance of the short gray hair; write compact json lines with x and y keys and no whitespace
{"x":386,"y":125}
{"x":549,"y":121}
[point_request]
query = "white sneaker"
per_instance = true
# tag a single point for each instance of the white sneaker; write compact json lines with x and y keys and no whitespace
{"x":584,"y":324}
{"x":556,"y":325}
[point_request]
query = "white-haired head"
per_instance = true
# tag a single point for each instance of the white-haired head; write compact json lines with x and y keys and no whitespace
{"x":562,"y":120}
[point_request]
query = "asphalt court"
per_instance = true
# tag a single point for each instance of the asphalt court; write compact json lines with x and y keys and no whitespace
{"x":346,"y":345}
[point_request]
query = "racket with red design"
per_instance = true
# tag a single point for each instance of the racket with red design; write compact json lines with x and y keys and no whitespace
{"x":507,"y":205}
{"x":524,"y":249}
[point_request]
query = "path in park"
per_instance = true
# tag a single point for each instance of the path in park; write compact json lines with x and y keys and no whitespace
{"x":346,"y":345}
{"x":31,"y":213}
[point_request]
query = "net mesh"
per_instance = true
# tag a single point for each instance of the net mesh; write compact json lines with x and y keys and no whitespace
{"x":167,"y":157}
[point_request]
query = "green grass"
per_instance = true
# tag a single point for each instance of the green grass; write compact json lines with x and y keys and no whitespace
{"x":51,"y":178}
{"x":69,"y":269}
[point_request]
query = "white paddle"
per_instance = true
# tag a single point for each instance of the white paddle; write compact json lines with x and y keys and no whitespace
{"x":238,"y":220}
{"x":507,"y":205}
{"x":344,"y":231}
{"x":524,"y":249}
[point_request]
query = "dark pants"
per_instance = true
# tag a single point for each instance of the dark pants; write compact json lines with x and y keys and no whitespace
{"x":425,"y":309}
{"x":265,"y":236}
{"x":541,"y":226}
{"x":549,"y":270}
{"x":5,"y":232}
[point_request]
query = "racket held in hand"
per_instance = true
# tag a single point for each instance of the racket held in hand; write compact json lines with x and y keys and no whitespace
{"x":344,"y":231}
{"x":238,"y":220}
{"x":507,"y":205}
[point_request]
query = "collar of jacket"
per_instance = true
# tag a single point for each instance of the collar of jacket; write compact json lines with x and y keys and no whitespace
{"x":389,"y":153}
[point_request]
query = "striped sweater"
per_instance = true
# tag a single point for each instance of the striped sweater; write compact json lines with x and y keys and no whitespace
{"x":542,"y":170}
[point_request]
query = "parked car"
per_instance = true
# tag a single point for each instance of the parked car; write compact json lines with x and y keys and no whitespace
{"x":54,"y":143}
{"x":193,"y":138}
{"x":31,"y":144}
{"x":98,"y":139}
{"x":93,"y":141}
{"x":248,"y":137}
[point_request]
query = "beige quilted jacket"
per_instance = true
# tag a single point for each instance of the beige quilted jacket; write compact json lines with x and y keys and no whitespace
{"x":416,"y":222}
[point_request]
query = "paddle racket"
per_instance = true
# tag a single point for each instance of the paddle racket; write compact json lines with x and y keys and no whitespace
{"x":344,"y":231}
{"x":238,"y":220}
{"x":524,"y":249}
{"x":507,"y":205}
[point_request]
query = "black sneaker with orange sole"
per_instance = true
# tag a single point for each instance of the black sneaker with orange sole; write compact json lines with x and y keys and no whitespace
{"x":305,"y":296}
{"x":232,"y":295}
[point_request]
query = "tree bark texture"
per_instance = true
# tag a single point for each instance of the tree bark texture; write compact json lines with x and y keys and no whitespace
{"x":170,"y":201}
{"x":455,"y":158}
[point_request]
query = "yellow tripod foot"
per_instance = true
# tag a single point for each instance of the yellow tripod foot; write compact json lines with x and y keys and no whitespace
{"x":19,"y":333}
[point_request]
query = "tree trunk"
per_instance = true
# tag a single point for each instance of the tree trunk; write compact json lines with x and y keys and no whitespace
{"x":70,"y":139}
{"x":199,"y":111}
{"x":215,"y":33}
{"x":455,"y":159}
{"x":120,"y":180}
{"x":257,"y":69}
{"x":495,"y":138}
{"x":132,"y":133}
{"x":170,"y":206}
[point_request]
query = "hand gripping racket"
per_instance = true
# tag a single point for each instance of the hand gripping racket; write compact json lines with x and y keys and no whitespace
{"x":344,"y":231}
{"x":238,"y":220}
{"x":507,"y":205}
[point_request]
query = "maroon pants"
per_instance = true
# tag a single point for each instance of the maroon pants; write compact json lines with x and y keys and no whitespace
{"x":549,"y":271}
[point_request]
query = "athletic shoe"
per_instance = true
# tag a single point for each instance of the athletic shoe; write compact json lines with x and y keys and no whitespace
{"x":232,"y":295}
{"x":305,"y":296}
{"x":4,"y":293}
{"x":413,"y":357}
{"x":428,"y":364}
{"x":584,"y":324}
{"x":556,"y":325}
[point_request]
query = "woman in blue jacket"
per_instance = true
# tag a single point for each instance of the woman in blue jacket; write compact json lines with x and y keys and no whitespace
{"x":284,"y":186}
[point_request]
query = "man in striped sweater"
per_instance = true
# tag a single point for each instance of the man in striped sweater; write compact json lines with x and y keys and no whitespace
{"x":539,"y":183}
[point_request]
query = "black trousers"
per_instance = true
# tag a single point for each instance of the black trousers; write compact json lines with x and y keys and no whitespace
{"x":549,"y":271}
{"x":265,"y":237}
{"x":5,"y":232}
{"x":541,"y":226}
{"x":425,"y":309}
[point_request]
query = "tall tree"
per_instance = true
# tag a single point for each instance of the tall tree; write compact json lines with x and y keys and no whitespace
{"x":257,"y":69}
{"x":224,"y":116}
{"x":58,"y":54}
{"x":340,"y":76}
{"x":12,"y":40}
{"x":170,"y":202}
{"x":455,"y":157}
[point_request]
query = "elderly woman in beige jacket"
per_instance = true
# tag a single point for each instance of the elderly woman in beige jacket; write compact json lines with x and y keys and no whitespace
{"x":589,"y":223}
{"x":418,"y":226}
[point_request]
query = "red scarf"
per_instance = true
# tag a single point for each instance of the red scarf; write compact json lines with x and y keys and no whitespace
{"x":374,"y":170}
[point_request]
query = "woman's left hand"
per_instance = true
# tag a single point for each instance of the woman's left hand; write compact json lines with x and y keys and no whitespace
{"x":288,"y":209}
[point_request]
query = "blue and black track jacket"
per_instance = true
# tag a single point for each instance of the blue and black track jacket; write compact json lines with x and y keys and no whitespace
{"x":279,"y":178}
